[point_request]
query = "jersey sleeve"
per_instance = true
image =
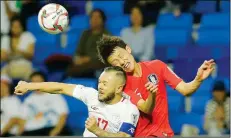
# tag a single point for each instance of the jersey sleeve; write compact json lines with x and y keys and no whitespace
{"x":132,"y":96}
{"x":130,"y":121}
{"x":169,"y":76}
{"x":84,"y":94}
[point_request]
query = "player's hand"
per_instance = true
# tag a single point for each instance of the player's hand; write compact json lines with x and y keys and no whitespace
{"x":21,"y":88}
{"x":91,"y":124}
{"x":205,"y":70}
{"x":151,"y":87}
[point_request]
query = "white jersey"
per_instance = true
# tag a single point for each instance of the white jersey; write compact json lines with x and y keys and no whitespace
{"x":122,"y":116}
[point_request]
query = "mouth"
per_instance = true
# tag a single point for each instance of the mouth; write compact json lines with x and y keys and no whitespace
{"x":126,"y":66}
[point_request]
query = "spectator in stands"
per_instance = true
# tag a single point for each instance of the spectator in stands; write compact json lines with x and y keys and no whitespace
{"x":17,"y":50}
{"x":45,"y":114}
{"x":86,"y":61}
{"x":10,"y":110}
{"x":217,"y":120}
{"x":8,"y":10}
{"x":150,"y":8}
{"x":138,"y":37}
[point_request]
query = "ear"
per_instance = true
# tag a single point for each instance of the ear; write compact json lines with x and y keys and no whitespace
{"x":128,"y":48}
{"x":119,"y":89}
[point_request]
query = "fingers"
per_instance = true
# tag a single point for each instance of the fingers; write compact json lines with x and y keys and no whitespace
{"x":151,"y":87}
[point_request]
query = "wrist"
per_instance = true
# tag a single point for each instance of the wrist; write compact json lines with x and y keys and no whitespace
{"x":198,"y":80}
{"x":95,"y":130}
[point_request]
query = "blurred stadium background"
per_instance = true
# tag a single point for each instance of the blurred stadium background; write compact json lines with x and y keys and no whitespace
{"x":183,"y":39}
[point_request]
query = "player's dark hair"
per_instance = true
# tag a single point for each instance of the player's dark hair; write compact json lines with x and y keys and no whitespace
{"x":102,"y":14}
{"x":119,"y":72}
{"x":39,"y":73}
{"x":106,"y":46}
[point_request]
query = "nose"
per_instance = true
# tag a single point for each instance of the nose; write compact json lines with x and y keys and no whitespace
{"x":121,"y":62}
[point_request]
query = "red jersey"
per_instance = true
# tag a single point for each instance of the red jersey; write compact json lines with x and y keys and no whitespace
{"x":156,"y":124}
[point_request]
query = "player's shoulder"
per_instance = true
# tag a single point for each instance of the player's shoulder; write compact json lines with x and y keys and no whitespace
{"x":130,"y":106}
{"x":153,"y":63}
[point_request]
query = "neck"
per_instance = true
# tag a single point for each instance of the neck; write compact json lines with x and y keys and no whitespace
{"x":137,"y":71}
{"x":97,"y":30}
{"x":136,"y":28}
{"x":114,"y":100}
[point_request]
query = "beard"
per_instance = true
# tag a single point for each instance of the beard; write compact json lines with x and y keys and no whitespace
{"x":107,"y":98}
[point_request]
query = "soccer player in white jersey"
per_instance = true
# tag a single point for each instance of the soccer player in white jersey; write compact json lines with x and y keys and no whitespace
{"x":110,"y":113}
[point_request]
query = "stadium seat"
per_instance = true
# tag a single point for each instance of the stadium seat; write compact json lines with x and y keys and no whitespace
{"x":83,"y":81}
{"x":175,"y":37}
{"x":225,"y":6}
{"x":116,"y":24}
{"x":168,"y":21}
{"x":203,"y":6}
{"x":211,"y":37}
{"x":223,"y":67}
{"x":175,"y":103}
{"x":177,"y":120}
{"x":110,"y":8}
{"x":32,"y":25}
{"x":198,"y":103}
{"x":43,"y":51}
{"x":80,"y":22}
{"x":215,"y":21}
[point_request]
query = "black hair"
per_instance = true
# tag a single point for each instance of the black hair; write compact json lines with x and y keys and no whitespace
{"x":102,"y":14}
{"x":106,"y":46}
{"x":39,"y":73}
{"x":119,"y":72}
{"x":141,"y":11}
{"x":219,"y":86}
{"x":16,"y":18}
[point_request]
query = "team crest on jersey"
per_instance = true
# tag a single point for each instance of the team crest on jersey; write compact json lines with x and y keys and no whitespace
{"x":153,"y":78}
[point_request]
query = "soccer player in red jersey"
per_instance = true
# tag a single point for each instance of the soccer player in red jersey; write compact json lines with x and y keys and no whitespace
{"x":113,"y":51}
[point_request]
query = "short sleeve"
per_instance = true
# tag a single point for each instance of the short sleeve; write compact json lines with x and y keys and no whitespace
{"x":169,"y":76}
{"x":132,"y":96}
{"x":15,"y":107}
{"x":26,"y":40}
{"x":85,"y":94}
{"x":60,"y":104}
{"x":130,"y":121}
{"x":5,"y":43}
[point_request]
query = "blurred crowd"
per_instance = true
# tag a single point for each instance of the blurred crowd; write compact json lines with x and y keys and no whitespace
{"x":45,"y":114}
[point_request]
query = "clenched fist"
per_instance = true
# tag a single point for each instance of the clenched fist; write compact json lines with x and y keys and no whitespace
{"x":91,"y":124}
{"x":21,"y":88}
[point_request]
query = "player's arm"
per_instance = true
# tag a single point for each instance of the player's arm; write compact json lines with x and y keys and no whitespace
{"x":203,"y":72}
{"x":146,"y":106}
{"x":186,"y":88}
{"x":127,"y":128}
{"x":48,"y":87}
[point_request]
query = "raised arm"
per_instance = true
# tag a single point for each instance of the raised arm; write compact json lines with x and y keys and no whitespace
{"x":203,"y":72}
{"x":48,"y":87}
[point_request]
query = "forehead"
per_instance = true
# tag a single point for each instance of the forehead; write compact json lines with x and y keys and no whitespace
{"x":107,"y":76}
{"x":116,"y":53}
